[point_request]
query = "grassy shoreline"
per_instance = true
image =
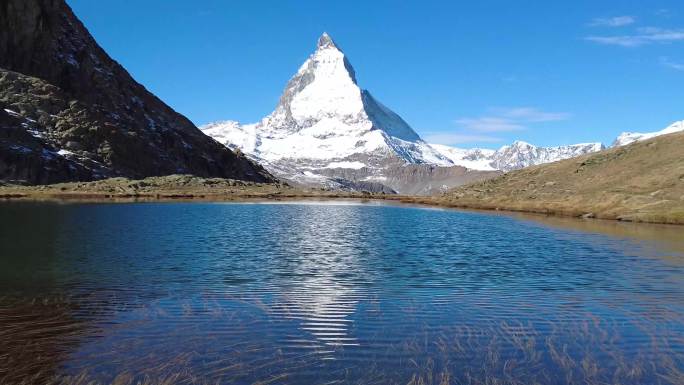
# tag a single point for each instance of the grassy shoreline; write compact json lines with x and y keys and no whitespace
{"x":188,"y":188}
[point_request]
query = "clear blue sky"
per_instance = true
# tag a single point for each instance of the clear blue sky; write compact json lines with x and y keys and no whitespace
{"x":466,"y":73}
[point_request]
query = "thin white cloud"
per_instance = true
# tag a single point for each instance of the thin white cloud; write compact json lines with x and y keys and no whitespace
{"x":489,"y":124}
{"x":617,"y":21}
{"x":498,"y":120}
{"x":510,"y":79}
{"x":453,"y":139}
{"x":509,"y":119}
{"x":662,"y":12}
{"x":662,"y":35}
{"x":623,"y":41}
{"x":531,"y":114}
{"x":643,"y":36}
{"x":670,"y":64}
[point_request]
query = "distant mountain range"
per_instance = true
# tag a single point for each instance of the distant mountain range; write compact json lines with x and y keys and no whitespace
{"x":521,"y":154}
{"x":68,"y":112}
{"x":516,"y":156}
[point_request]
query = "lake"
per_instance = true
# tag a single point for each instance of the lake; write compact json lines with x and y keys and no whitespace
{"x":334,"y":292}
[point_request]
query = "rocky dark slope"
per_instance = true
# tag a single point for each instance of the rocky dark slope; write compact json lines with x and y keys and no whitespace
{"x":70,"y":112}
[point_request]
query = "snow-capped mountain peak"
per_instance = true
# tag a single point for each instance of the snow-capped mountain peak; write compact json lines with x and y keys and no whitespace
{"x":325,"y":41}
{"x":522,"y":144}
{"x":518,"y":146}
{"x":324,"y":87}
{"x":324,"y":117}
{"x":630,"y":137}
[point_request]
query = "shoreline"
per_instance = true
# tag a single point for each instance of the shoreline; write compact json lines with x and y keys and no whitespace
{"x":30,"y":194}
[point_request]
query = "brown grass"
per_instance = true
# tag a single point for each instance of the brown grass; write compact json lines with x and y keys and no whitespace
{"x":583,"y":352}
{"x":169,"y":188}
{"x":642,"y":182}
{"x":582,"y":349}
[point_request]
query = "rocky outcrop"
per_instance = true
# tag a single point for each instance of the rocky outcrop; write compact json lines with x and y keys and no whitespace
{"x":24,"y":157}
{"x":426,"y":179}
{"x":409,"y":179}
{"x":61,"y":93}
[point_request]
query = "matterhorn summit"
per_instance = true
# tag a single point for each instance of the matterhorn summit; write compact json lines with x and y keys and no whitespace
{"x":325,"y":122}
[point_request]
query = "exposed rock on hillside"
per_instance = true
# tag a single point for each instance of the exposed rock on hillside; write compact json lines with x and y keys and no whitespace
{"x":70,"y":112}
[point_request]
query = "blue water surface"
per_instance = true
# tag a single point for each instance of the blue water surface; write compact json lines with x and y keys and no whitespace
{"x":334,"y":293}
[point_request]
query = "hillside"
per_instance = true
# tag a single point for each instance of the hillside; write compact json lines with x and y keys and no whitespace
{"x":70,"y":112}
{"x":643,"y":181}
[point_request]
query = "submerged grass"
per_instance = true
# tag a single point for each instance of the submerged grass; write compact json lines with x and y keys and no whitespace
{"x":37,"y":339}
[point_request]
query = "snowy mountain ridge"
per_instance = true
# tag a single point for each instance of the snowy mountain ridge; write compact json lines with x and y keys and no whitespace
{"x":522,"y":154}
{"x":630,"y":137}
{"x":515,"y":156}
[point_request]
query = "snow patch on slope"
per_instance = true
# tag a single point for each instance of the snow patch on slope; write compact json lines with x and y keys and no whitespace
{"x":472,"y":158}
{"x":350,"y":165}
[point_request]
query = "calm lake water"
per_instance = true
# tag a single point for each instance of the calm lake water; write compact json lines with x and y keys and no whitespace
{"x":334,"y":293}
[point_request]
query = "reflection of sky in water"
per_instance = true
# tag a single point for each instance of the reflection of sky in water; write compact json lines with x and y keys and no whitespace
{"x":379,"y":293}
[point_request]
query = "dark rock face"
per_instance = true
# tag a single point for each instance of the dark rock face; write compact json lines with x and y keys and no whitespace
{"x":24,"y":157}
{"x":424,"y":179}
{"x":63,"y":92}
{"x":362,"y":185}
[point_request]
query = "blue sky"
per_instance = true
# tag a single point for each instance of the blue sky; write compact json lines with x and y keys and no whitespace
{"x":463,"y":73}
